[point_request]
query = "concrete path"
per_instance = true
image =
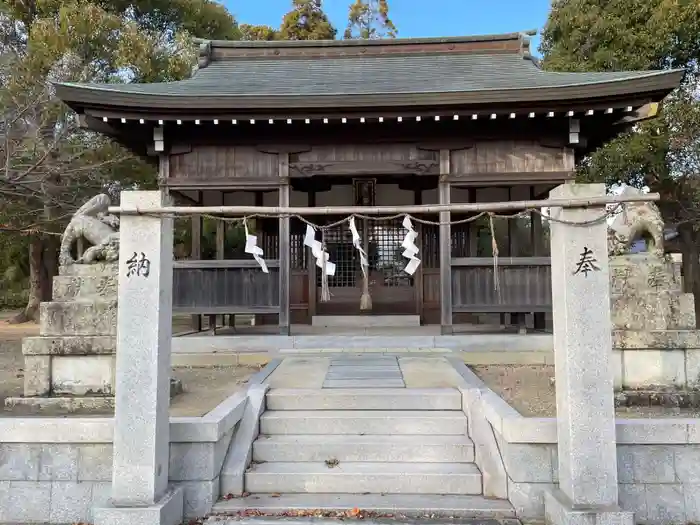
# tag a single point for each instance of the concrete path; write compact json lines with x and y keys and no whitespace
{"x":364,"y":371}
{"x":300,"y":372}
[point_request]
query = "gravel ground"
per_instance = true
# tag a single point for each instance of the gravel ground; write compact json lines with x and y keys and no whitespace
{"x":530,"y":390}
{"x":204,"y":388}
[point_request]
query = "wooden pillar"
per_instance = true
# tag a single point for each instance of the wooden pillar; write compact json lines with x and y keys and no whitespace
{"x":196,"y":254}
{"x":220,"y":236}
{"x":516,"y":318}
{"x":445,"y":247}
{"x":284,"y":245}
{"x":536,"y":234}
{"x":257,"y":227}
{"x":418,"y":276}
{"x":472,"y":236}
{"x":311,"y":266}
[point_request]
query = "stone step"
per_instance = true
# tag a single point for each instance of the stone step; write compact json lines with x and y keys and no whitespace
{"x":365,"y":321}
{"x":79,"y":317}
{"x":367,"y":422}
{"x":409,"y":505}
{"x":365,"y":399}
{"x":357,"y":372}
{"x":389,"y":382}
{"x":400,"y":448}
{"x":375,"y":478}
{"x":70,"y":287}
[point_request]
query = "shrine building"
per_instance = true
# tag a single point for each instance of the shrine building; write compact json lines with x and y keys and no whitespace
{"x":371,"y":123}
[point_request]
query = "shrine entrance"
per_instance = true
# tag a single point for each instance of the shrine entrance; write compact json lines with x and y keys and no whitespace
{"x":392,"y":290}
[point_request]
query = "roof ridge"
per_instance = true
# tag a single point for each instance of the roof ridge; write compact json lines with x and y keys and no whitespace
{"x":224,"y":50}
{"x":518,"y":35}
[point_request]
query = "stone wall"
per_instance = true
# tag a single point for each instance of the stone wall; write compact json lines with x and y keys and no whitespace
{"x":657,"y":459}
{"x":53,"y":483}
{"x":56,"y":470}
{"x":660,"y":483}
{"x":61,"y":483}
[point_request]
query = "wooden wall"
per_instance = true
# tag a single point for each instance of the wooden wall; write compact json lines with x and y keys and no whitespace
{"x":212,"y":165}
{"x":219,"y":164}
{"x":511,"y":157}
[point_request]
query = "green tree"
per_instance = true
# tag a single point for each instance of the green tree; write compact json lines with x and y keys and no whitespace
{"x":369,"y":19}
{"x":253,"y":32}
{"x":50,"y":164}
{"x":662,"y":153}
{"x":306,"y":21}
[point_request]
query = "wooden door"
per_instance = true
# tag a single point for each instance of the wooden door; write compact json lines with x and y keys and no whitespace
{"x":393,"y":291}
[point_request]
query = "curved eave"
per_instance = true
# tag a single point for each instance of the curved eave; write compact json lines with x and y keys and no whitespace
{"x":81,"y":96}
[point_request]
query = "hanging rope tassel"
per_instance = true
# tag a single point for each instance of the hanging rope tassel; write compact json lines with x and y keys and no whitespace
{"x":494,"y":249}
{"x":318,"y":251}
{"x":366,"y":298}
{"x":325,"y":292}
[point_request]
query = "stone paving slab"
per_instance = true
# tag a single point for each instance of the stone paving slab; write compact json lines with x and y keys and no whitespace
{"x":364,"y":361}
{"x":429,"y":372}
{"x":362,"y":372}
{"x":362,"y":368}
{"x":300,"y":372}
{"x":364,"y":383}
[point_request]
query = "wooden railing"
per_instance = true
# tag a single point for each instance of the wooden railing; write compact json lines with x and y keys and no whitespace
{"x":225,"y":287}
{"x":524,"y":285}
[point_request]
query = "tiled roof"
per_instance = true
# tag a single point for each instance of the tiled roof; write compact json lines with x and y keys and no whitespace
{"x":370,"y":75}
{"x":333,"y":74}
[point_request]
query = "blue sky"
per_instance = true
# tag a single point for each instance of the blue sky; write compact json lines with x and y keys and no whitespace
{"x":443,"y":17}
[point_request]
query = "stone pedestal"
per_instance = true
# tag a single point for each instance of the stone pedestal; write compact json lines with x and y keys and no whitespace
{"x":654,"y":335}
{"x":71,"y":363}
{"x":588,"y":491}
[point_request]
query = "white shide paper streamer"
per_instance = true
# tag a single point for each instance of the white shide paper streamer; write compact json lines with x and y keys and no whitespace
{"x":410,"y":250}
{"x":251,"y":246}
{"x":357,"y":243}
{"x":317,"y":251}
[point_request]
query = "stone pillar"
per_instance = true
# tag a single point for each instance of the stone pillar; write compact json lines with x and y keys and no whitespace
{"x":588,"y":491}
{"x":140,"y":491}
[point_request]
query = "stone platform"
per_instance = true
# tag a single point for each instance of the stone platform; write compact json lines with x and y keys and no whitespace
{"x":315,"y":339}
{"x":71,"y":364}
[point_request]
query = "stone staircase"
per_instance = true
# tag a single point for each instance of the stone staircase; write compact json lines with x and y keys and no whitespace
{"x":399,"y":451}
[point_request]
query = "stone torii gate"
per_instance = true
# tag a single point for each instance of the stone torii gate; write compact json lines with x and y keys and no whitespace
{"x":588,"y":487}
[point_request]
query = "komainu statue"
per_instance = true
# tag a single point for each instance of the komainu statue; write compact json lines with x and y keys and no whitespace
{"x":96,"y":225}
{"x":635,"y":220}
